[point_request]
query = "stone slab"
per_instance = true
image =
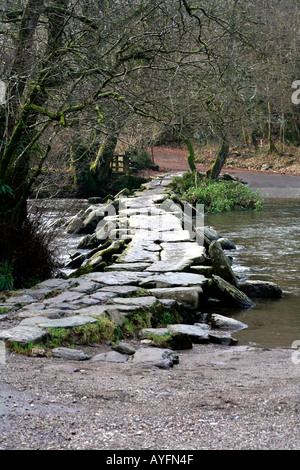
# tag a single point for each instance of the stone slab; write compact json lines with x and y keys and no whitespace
{"x":23,"y":334}
{"x":121,"y":290}
{"x":70,"y":354}
{"x":188,"y":296}
{"x":146,"y":332}
{"x":177,"y":256}
{"x":220,"y":321}
{"x":142,"y":302}
{"x":156,"y":357}
{"x":45,"y":313}
{"x":67,"y":322}
{"x":117,"y":278}
{"x":198,"y":334}
{"x":157,"y":223}
{"x":111,"y":356}
{"x":222,"y":337}
{"x":127,"y":267}
{"x":173,"y":279}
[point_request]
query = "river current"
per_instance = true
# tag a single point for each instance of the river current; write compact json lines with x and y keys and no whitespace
{"x":267,"y":249}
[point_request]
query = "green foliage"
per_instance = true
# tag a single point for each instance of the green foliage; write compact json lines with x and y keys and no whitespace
{"x":6,"y":276}
{"x":5,"y":190}
{"x":140,"y":159}
{"x":217,"y":196}
{"x":135,"y":322}
{"x":103,"y":330}
{"x":162,"y":317}
{"x":130,"y":182}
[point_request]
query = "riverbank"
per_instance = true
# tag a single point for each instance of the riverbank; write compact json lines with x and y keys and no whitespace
{"x":216,"y":398}
{"x":283,"y":182}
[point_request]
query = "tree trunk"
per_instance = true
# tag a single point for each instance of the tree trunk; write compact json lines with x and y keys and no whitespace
{"x":100,"y":170}
{"x":215,"y":170}
{"x":191,"y":156}
{"x":21,"y":132}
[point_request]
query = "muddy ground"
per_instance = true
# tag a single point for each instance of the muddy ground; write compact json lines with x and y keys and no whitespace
{"x":216,"y":398}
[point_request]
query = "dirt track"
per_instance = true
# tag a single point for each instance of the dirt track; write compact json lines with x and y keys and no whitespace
{"x":216,"y":398}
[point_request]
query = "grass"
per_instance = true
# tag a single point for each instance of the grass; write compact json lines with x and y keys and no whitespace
{"x":104,"y":330}
{"x":217,"y":196}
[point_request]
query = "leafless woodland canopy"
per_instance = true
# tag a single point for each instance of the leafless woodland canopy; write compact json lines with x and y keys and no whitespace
{"x":84,"y":77}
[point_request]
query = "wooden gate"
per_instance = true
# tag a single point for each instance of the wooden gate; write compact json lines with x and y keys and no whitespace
{"x":120,"y":164}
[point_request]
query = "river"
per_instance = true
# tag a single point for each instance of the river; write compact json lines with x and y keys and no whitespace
{"x":267,"y":249}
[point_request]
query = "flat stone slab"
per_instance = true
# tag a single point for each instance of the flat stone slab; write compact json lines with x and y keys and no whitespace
{"x":198,"y":334}
{"x":146,"y":332}
{"x":70,"y":354}
{"x":142,"y":302}
{"x":67,"y":296}
{"x":139,"y":251}
{"x":23,"y":334}
{"x":67,"y":322}
{"x":157,"y":223}
{"x":177,"y":256}
{"x":127,"y":266}
{"x":188,"y":296}
{"x":176,"y":236}
{"x":157,"y":357}
{"x":103,"y":310}
{"x":45,"y":313}
{"x":85,"y":287}
{"x":117,"y":278}
{"x":173,"y":279}
{"x":56,"y":284}
{"x":124,"y":348}
{"x":227,"y":323}
{"x":222,"y":337}
{"x":121,"y":290}
{"x":111,"y":356}
{"x":20,"y":300}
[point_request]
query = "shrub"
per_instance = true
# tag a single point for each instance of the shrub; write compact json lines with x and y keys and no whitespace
{"x":6,"y":276}
{"x":217,"y":196}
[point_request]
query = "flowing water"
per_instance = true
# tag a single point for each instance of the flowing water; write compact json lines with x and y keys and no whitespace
{"x":267,"y":249}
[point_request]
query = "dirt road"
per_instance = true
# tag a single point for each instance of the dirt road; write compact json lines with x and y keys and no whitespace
{"x":273,"y":184}
{"x":216,"y":398}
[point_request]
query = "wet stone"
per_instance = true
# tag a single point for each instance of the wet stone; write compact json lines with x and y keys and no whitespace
{"x":23,"y":334}
{"x":111,"y":356}
{"x":198,"y":334}
{"x":67,"y":322}
{"x":70,"y":354}
{"x":156,"y":357}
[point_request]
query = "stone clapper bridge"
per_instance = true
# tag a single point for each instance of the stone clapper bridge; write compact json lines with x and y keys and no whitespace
{"x":144,"y":252}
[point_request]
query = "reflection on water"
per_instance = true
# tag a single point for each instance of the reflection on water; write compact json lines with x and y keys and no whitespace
{"x":267,"y":249}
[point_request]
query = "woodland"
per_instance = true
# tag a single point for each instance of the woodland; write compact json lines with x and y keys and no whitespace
{"x":82,"y":81}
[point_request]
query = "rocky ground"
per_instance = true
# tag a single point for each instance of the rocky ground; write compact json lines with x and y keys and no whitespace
{"x":216,"y":398}
{"x":209,"y":396}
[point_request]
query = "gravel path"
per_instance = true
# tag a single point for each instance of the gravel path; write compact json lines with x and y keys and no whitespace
{"x":216,"y":398}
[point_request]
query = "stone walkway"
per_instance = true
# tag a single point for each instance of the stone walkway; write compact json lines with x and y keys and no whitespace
{"x":135,"y":255}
